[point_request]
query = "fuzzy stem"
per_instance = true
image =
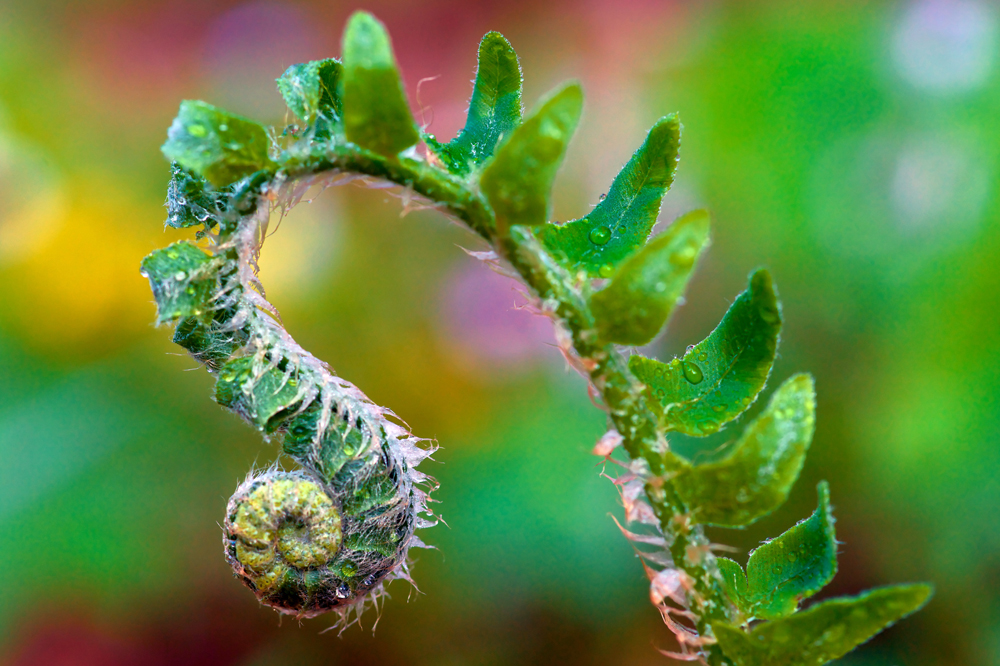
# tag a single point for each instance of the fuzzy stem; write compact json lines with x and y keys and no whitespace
{"x":565,"y":298}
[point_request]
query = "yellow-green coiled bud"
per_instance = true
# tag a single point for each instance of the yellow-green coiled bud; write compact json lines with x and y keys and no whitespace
{"x":283,"y":537}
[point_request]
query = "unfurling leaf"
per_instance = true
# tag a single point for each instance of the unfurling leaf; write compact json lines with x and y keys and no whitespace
{"x":720,"y":377}
{"x":217,"y":145}
{"x":621,"y":222}
{"x":494,"y":111}
{"x":635,"y":305}
{"x":192,"y":201}
{"x":376,"y":114}
{"x":825,"y":632}
{"x":272,"y":394}
{"x":754,"y":478}
{"x":795,"y":566}
{"x":312,"y":91}
{"x":181,"y":280}
{"x":518,"y":180}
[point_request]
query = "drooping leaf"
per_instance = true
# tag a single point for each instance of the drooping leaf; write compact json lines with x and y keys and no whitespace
{"x":312,"y":91}
{"x":754,"y":478}
{"x":181,"y":281}
{"x":622,"y":220}
{"x":635,"y":305}
{"x":825,"y":632}
{"x":217,"y":145}
{"x":376,"y":114}
{"x":795,"y":566}
{"x":720,"y":377}
{"x":494,"y":111}
{"x":734,"y":581}
{"x":518,"y":180}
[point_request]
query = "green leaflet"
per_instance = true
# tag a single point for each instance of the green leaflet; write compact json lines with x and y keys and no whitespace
{"x":218,"y":145}
{"x":376,"y":114}
{"x":312,"y":91}
{"x":518,"y":180}
{"x":795,"y":566}
{"x":734,"y":581}
{"x":494,"y":111}
{"x":755,"y":477}
{"x":825,"y":632}
{"x":632,"y":309}
{"x":621,"y":222}
{"x":181,"y":281}
{"x":720,"y":377}
{"x":265,"y":397}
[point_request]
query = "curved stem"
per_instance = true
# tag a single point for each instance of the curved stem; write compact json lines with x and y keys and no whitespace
{"x":565,"y":298}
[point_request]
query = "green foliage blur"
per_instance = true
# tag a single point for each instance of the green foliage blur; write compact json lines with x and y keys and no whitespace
{"x":849,"y":147}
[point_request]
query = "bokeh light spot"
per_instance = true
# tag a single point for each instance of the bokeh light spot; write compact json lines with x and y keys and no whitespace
{"x":946,"y":46}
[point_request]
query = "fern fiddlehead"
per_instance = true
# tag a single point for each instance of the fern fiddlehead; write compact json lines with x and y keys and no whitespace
{"x":328,"y":536}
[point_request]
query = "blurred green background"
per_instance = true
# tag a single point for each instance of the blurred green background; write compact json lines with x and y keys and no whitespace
{"x":852,"y":147}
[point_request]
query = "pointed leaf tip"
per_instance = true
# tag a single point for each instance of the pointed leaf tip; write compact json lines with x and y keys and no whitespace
{"x":622,"y":220}
{"x":798,"y":564}
{"x":721,"y":376}
{"x":494,"y":110}
{"x":635,"y":305}
{"x":376,"y":113}
{"x":518,"y":180}
{"x":755,"y":477}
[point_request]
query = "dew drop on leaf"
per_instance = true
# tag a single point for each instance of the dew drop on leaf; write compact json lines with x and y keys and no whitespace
{"x":692,"y":372}
{"x":607,"y":270}
{"x":684,"y":257}
{"x":600,"y":235}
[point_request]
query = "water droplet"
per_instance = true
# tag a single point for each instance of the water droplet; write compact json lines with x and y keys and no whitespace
{"x":660,"y":287}
{"x":190,"y":291}
{"x":180,"y":276}
{"x":607,"y":270}
{"x":223,"y":127}
{"x":719,"y":408}
{"x":600,"y":235}
{"x":770,"y":315}
{"x":792,"y":557}
{"x":349,"y":568}
{"x":227,"y":376}
{"x":172,"y":255}
{"x":197,"y":130}
{"x":603,"y":197}
{"x":703,"y":356}
{"x":692,"y":372}
{"x":684,"y":258}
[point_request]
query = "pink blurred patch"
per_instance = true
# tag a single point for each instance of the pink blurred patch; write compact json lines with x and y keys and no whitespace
{"x":485,"y":318}
{"x":248,"y":47}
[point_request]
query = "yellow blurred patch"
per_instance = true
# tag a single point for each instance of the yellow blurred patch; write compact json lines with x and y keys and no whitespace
{"x":79,"y":293}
